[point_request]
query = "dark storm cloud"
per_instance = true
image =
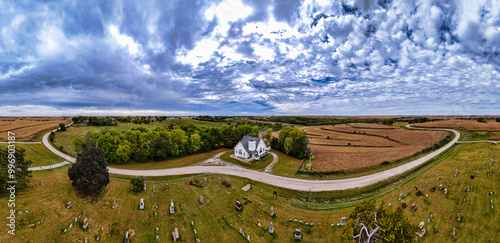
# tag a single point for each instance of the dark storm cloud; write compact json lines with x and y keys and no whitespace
{"x":272,"y":57}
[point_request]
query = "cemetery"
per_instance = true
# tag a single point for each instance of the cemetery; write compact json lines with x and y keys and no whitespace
{"x":202,"y":213}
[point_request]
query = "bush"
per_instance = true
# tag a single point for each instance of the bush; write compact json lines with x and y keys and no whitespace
{"x":62,"y":126}
{"x":433,"y":188}
{"x":225,"y":183}
{"x":403,"y":205}
{"x":137,"y":184}
{"x":196,"y":182}
{"x":385,"y":163}
{"x":419,"y":193}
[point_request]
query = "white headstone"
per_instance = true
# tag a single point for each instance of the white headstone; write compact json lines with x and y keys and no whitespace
{"x":201,"y":199}
{"x":141,"y":204}
{"x":144,"y":186}
{"x":248,"y":237}
{"x":342,"y":221}
{"x":70,"y":226}
{"x":76,"y":220}
{"x":271,"y":228}
{"x":41,"y":184}
{"x":272,"y":211}
{"x":241,"y":231}
{"x":172,"y":209}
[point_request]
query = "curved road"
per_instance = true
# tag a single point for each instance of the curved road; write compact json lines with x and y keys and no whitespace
{"x":280,"y":181}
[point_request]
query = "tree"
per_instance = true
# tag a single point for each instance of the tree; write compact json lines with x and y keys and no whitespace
{"x":79,"y":144}
{"x":21,"y":172}
{"x":90,"y":173}
{"x":62,"y":127}
{"x":368,"y":223}
{"x":137,"y":183}
{"x":268,"y":135}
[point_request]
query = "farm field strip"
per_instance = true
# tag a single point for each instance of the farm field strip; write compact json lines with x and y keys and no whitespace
{"x":465,"y":124}
{"x":346,"y":150}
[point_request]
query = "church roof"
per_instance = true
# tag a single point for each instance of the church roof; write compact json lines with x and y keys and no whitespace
{"x":244,"y":142}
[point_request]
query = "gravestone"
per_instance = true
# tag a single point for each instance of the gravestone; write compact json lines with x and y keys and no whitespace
{"x":445,"y":191}
{"x":157,"y":237}
{"x":98,"y":238}
{"x":126,"y":237}
{"x":272,"y":211}
{"x":259,"y":223}
{"x":453,"y":235}
{"x":155,"y":214}
{"x":85,"y":223}
{"x":311,"y":224}
{"x":166,"y":185}
{"x":301,"y":222}
{"x":172,"y":210}
{"x":271,"y":228}
{"x":204,"y":179}
{"x":389,"y":204}
{"x":342,"y":221}
{"x":248,"y":237}
{"x":441,"y":187}
{"x":144,"y":186}
{"x":307,"y":224}
{"x":69,"y":205}
{"x":413,"y":207}
{"x":458,"y":217}
{"x":201,"y":199}
{"x":241,"y":231}
{"x":192,"y":223}
{"x":41,"y":184}
{"x":141,"y":204}
{"x":70,"y":226}
{"x":400,"y":196}
{"x":65,"y":230}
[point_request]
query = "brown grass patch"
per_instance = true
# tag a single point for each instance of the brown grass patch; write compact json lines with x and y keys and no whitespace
{"x":469,"y":125}
{"x":28,"y":128}
{"x":368,"y":146}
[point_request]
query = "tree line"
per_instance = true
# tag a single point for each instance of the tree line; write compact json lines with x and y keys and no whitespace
{"x":315,"y":121}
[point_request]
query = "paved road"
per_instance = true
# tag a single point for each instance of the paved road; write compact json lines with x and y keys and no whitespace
{"x":23,"y":142}
{"x":48,"y":167}
{"x":481,"y":141}
{"x":284,"y":182}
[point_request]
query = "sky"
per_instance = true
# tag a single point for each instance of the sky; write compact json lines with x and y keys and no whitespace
{"x":249,"y":57}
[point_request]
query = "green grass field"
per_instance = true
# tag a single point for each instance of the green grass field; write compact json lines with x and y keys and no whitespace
{"x":48,"y":205}
{"x":480,"y":223}
{"x":172,"y":163}
{"x":38,"y":153}
{"x":254,"y":165}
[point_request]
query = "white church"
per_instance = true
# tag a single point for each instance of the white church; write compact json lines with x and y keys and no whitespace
{"x":251,"y":148}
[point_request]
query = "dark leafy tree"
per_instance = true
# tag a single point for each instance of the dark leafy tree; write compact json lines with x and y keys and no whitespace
{"x":21,"y":165}
{"x":90,"y":173}
{"x":62,"y":127}
{"x":137,"y":183}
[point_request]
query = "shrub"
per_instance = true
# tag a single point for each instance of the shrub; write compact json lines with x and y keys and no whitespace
{"x":137,"y":184}
{"x":196,"y":182}
{"x":433,"y":188}
{"x":225,"y":183}
{"x":385,"y":163}
{"x":403,"y":205}
{"x":419,"y":193}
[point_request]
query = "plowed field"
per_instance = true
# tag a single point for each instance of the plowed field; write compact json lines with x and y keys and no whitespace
{"x":353,"y":146}
{"x":465,"y":124}
{"x":28,"y":128}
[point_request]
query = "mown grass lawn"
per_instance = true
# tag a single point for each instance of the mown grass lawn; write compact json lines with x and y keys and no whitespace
{"x":38,"y":154}
{"x":254,"y":165}
{"x":479,"y":222}
{"x":172,"y":163}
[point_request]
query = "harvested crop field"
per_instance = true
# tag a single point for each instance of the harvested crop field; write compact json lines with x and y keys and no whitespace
{"x":28,"y":128}
{"x":353,"y":146}
{"x":465,"y":124}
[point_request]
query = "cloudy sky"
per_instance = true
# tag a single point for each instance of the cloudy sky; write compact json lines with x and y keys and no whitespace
{"x":249,"y":57}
